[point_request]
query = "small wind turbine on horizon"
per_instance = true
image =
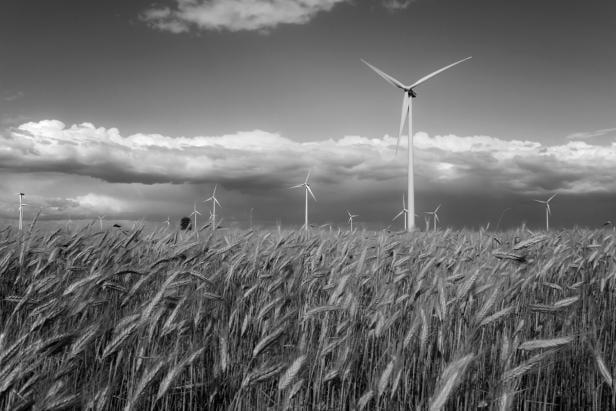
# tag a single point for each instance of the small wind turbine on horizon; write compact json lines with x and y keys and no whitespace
{"x":195,"y":213}
{"x":214,"y":201}
{"x":21,"y":211}
{"x":407,"y":112}
{"x":351,"y":217}
{"x":434,"y":215}
{"x":307,"y":190}
{"x":548,"y":211}
{"x":100,"y":221}
{"x":403,"y":213}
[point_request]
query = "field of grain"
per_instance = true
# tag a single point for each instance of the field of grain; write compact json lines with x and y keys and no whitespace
{"x":248,"y":320}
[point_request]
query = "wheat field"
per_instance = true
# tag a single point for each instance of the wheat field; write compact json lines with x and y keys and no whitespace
{"x":239,"y":320}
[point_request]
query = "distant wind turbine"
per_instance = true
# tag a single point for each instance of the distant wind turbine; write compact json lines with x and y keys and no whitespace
{"x":168,"y":222}
{"x":434,"y":215}
{"x":307,"y":191}
{"x":21,"y":211}
{"x":407,"y":110}
{"x":195,"y":213}
{"x":214,"y":201}
{"x":351,"y":217}
{"x":402,"y":213}
{"x":100,"y":221}
{"x":548,"y":211}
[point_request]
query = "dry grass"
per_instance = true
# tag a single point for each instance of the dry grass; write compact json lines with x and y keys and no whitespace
{"x":258,"y":320}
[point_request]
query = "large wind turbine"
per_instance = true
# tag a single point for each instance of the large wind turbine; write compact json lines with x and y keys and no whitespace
{"x":308,"y":190}
{"x":402,"y":213}
{"x":407,"y":111}
{"x":214,"y":201}
{"x":548,"y":211}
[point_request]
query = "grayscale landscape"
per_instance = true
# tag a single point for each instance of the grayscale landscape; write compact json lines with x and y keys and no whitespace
{"x":307,"y":205}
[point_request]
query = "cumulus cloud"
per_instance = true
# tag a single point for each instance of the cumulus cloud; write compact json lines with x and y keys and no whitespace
{"x":234,"y":15}
{"x":252,"y":161}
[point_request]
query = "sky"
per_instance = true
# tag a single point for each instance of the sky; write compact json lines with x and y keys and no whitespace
{"x":136,"y":109}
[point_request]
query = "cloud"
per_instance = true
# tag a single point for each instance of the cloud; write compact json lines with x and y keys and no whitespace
{"x":13,"y":97}
{"x":584,"y":135}
{"x":234,"y":15}
{"x":396,"y":5}
{"x":257,"y":161}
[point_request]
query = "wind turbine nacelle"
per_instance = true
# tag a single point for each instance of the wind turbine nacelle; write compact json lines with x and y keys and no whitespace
{"x":412,"y":93}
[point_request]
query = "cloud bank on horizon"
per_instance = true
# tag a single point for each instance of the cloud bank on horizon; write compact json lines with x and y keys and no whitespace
{"x":252,"y":162}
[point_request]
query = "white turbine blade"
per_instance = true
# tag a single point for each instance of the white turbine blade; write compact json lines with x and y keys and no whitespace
{"x":539,"y":201}
{"x":405,"y":110}
{"x":436,"y":218}
{"x":214,"y":192}
{"x":297,"y":186}
{"x":437,"y":208}
{"x":549,"y":209}
{"x":403,"y":205}
{"x":398,"y":215}
{"x":310,"y":191}
{"x":550,"y":199}
{"x":307,"y":177}
{"x":429,"y":76}
{"x":216,"y":201}
{"x":386,"y":76}
{"x":348,"y":212}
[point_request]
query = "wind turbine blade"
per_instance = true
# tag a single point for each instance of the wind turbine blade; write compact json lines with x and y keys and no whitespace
{"x":310,"y":191}
{"x":436,"y":218}
{"x":550,"y":199}
{"x":549,"y":209}
{"x":307,"y":177}
{"x":437,"y":208}
{"x":405,"y":110}
{"x":403,"y":205}
{"x":218,"y":203}
{"x":539,"y":201}
{"x":429,"y":76}
{"x":214,"y":192}
{"x":385,"y":76}
{"x":348,"y":212}
{"x":297,"y":186}
{"x":398,"y":215}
